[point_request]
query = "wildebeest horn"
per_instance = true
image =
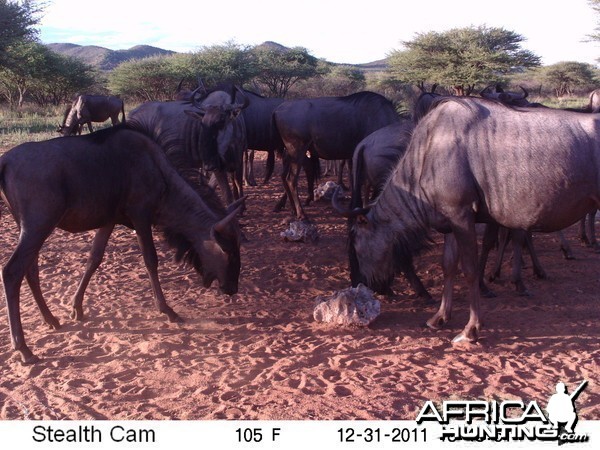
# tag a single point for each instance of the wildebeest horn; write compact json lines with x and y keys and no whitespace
{"x":345,"y":212}
{"x":485,"y":91}
{"x":221,"y":225}
{"x":525,"y":93}
{"x":245,"y":101}
{"x":193,"y":98}
{"x":232,"y":207}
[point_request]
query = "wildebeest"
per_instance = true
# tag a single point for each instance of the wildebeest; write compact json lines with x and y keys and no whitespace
{"x":372,"y":163}
{"x":374,"y":159}
{"x":331,"y":127}
{"x":474,"y":160}
{"x":86,"y":109}
{"x":259,"y":133}
{"x":208,"y":133}
{"x":114,"y":176}
{"x":508,"y":98}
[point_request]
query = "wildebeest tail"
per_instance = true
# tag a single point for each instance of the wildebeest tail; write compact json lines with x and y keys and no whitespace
{"x":270,"y":165}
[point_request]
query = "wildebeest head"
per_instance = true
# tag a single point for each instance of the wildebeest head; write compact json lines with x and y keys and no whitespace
{"x":217,"y":255}
{"x":508,"y":98}
{"x":224,"y":246}
{"x":371,"y":256}
{"x":217,"y":114}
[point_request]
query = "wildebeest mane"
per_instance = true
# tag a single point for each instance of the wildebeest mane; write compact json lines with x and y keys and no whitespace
{"x":183,"y":172}
{"x":365,"y":97}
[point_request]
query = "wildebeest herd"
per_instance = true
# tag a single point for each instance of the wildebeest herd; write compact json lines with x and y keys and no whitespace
{"x":459,"y":161}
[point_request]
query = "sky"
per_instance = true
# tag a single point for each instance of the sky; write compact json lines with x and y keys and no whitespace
{"x":343,"y":31}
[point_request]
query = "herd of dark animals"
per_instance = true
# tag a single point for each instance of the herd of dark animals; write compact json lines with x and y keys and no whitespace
{"x":151,"y":172}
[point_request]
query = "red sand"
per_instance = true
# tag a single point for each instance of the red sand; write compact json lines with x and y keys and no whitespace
{"x":260,"y":354}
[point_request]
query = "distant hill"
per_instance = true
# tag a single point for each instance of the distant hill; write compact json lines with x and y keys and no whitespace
{"x":375,"y":66}
{"x":104,"y":58}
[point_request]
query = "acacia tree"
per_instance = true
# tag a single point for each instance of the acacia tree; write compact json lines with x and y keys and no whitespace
{"x":145,"y":79}
{"x":460,"y":58}
{"x":64,"y":76}
{"x":27,"y":61}
{"x":566,"y":77}
{"x":280,"y":68}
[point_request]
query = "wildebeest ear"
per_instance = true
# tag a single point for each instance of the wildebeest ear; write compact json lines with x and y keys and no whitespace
{"x":196,"y":114}
{"x":235,"y":112}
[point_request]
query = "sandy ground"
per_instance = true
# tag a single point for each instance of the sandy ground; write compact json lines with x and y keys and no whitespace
{"x":260,"y":355}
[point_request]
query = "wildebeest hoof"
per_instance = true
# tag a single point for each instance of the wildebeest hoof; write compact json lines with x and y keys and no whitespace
{"x":28,"y":358}
{"x":175,"y":318}
{"x":462,"y":341}
{"x":541,"y":275}
{"x":54,"y":324}
{"x":435,"y":323}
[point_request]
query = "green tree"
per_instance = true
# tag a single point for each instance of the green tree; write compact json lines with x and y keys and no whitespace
{"x":27,"y":61}
{"x":460,"y":58}
{"x":595,"y":5}
{"x":280,"y":68}
{"x":223,"y":63}
{"x":332,"y":80}
{"x":16,"y":24}
{"x":147,"y":79}
{"x":65,"y":76}
{"x":566,"y":77}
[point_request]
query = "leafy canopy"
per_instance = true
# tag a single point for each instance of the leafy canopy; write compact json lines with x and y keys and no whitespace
{"x":460,"y":58}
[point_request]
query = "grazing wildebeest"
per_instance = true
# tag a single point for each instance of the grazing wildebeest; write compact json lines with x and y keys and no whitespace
{"x":330,"y":127}
{"x":86,"y":109}
{"x":372,"y":163}
{"x":114,"y":176}
{"x":208,"y":133}
{"x":374,"y":159}
{"x":508,"y":98}
{"x":474,"y":160}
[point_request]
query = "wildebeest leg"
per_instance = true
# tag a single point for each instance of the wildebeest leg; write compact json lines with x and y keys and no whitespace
{"x":90,"y":128}
{"x":490,"y":236}
{"x":587,"y":230}
{"x":144,"y":236}
{"x":282,"y":200}
{"x":249,"y":179}
{"x":237,"y":181}
{"x":538,"y":270}
{"x":221,"y":177}
{"x":93,"y":262}
{"x":311,"y":170}
{"x":33,"y":279}
{"x":565,"y":248}
{"x":504,"y":235}
{"x":291,"y":184}
{"x":450,"y":268}
{"x":18,"y":266}
{"x":518,"y":240}
{"x":341,"y":165}
{"x":466,"y":239}
{"x":408,"y":269}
